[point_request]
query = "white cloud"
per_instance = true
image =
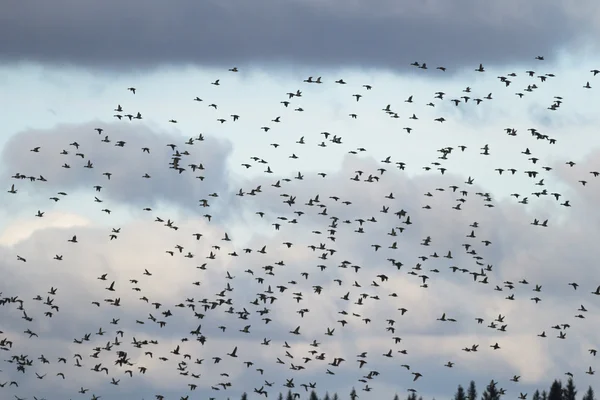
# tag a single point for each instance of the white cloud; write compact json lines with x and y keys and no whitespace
{"x":23,"y":229}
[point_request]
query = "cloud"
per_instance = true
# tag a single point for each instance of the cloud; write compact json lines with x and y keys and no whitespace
{"x":324,"y":233}
{"x":381,"y":34}
{"x":22,"y":230}
{"x":518,"y":251}
{"x":128,"y":164}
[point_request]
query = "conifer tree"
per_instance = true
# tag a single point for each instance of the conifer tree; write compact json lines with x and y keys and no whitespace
{"x":491,"y":392}
{"x":556,"y":391}
{"x":589,"y":394}
{"x":289,"y":395}
{"x":472,"y":391}
{"x":244,"y":396}
{"x":326,"y":396}
{"x":336,"y":397}
{"x":280,"y":396}
{"x":353,"y":394}
{"x":544,"y":395}
{"x":460,"y":393}
{"x":569,"y":392}
{"x":536,"y":395}
{"x":313,"y":395}
{"x":396,"y":397}
{"x":412,"y":396}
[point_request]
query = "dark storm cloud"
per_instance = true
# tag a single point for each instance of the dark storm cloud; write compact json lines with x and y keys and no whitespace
{"x":381,"y":33}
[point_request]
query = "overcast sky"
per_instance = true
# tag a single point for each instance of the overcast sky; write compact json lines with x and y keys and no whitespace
{"x":64,"y":72}
{"x":332,"y":33}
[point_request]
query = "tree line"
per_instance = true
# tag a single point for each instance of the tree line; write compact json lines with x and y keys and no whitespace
{"x":557,"y":391}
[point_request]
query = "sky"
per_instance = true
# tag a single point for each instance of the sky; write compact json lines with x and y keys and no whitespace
{"x":65,"y":70}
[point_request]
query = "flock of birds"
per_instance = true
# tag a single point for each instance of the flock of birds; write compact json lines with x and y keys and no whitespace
{"x":111,"y":353}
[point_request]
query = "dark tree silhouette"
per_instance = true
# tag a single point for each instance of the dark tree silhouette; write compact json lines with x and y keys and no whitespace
{"x":556,"y":392}
{"x":289,"y":395}
{"x":589,"y":394}
{"x":336,"y":397}
{"x":569,"y":391}
{"x":544,"y":395}
{"x":460,"y":393}
{"x":491,"y":392}
{"x":280,"y":396}
{"x":244,"y":396}
{"x":313,"y":395}
{"x":353,"y":394}
{"x":326,"y":396}
{"x":536,"y":395}
{"x":472,"y":391}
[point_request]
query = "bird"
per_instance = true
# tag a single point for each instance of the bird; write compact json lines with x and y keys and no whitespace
{"x":370,"y":241}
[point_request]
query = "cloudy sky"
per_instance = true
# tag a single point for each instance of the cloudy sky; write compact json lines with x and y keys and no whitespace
{"x":65,"y":71}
